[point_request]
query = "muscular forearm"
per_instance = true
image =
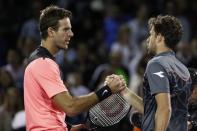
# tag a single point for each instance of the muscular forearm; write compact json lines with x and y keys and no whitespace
{"x":133,"y":99}
{"x":162,"y":117}
{"x":80,"y":104}
{"x":75,"y":105}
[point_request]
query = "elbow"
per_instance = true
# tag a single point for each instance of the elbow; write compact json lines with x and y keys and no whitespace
{"x":169,"y":110}
{"x":166,"y":110}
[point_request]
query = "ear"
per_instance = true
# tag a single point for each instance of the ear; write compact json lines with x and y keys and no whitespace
{"x":51,"y":32}
{"x":160,"y":38}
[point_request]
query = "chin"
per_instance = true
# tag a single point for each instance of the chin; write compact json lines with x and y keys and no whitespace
{"x":150,"y":52}
{"x":63,"y":47}
{"x":66,"y":47}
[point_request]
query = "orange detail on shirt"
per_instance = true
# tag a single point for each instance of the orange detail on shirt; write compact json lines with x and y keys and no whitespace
{"x":42,"y":81}
{"x":136,"y":129}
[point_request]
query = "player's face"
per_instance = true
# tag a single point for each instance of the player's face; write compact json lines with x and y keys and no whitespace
{"x":63,"y":34}
{"x":151,"y":42}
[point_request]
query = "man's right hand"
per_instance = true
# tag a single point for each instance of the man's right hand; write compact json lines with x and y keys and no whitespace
{"x":115,"y":82}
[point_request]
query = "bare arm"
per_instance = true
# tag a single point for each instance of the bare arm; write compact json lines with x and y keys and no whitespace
{"x":75,"y":105}
{"x":133,"y":99}
{"x":163,"y":112}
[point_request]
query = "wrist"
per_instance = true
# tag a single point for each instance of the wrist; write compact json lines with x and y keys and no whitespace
{"x":103,"y":93}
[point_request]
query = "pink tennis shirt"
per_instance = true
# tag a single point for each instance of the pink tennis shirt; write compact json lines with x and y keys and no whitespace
{"x":42,"y":81}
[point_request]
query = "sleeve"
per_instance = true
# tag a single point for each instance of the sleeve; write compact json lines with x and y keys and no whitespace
{"x":47,"y":74}
{"x":157,"y":78}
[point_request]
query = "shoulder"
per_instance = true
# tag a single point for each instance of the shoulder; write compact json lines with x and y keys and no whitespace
{"x":42,"y":64}
{"x":155,"y":65}
{"x":154,"y":61}
{"x":159,"y":60}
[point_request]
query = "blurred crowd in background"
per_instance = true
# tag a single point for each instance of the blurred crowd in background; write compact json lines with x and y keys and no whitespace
{"x":109,"y":37}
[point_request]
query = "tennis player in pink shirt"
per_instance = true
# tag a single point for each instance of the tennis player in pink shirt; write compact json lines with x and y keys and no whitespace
{"x":47,"y":100}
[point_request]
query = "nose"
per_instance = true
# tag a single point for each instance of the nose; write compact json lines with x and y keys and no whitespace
{"x":71,"y":34}
{"x":147,"y":41}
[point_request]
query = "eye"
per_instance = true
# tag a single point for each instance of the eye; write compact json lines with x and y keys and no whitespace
{"x":66,"y":29}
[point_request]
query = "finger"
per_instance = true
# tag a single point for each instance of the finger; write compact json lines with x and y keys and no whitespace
{"x":112,"y":76}
{"x":122,"y":88}
{"x":121,"y":76}
{"x":108,"y":80}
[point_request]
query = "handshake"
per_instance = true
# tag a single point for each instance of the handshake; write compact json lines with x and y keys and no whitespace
{"x":113,"y":84}
{"x":116,"y":83}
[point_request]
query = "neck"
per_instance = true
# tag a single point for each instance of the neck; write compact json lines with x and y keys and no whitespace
{"x":49,"y":46}
{"x":161,"y":51}
{"x":162,"y":48}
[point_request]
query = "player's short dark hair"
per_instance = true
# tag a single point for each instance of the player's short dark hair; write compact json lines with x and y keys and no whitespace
{"x":193,"y":75}
{"x":169,"y":27}
{"x":49,"y":17}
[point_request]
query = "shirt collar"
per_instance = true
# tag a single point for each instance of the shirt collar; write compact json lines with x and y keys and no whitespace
{"x":166,"y":53}
{"x":46,"y":52}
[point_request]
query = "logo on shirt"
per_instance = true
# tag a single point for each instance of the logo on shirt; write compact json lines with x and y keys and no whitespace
{"x":160,"y":74}
{"x":104,"y":92}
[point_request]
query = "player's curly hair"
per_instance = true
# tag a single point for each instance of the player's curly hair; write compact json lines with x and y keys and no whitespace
{"x":49,"y":17}
{"x":169,"y":27}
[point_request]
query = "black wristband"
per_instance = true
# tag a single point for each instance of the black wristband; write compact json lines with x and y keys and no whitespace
{"x":69,"y":126}
{"x":103,"y":93}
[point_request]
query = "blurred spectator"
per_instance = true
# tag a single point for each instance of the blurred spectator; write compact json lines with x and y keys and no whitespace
{"x":8,"y":109}
{"x":6,"y":81}
{"x":176,"y":8}
{"x":29,"y":36}
{"x":111,"y":25}
{"x":97,"y":82}
{"x":193,"y":60}
{"x":184,"y":53}
{"x":18,"y":122}
{"x":15,"y":67}
{"x":63,"y":3}
{"x":192,"y":15}
{"x":134,"y":63}
{"x":84,"y":62}
{"x":122,"y":45}
{"x":138,"y":27}
{"x":76,"y":88}
{"x":97,"y":5}
{"x":75,"y":81}
{"x":114,"y":66}
{"x":136,"y":82}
